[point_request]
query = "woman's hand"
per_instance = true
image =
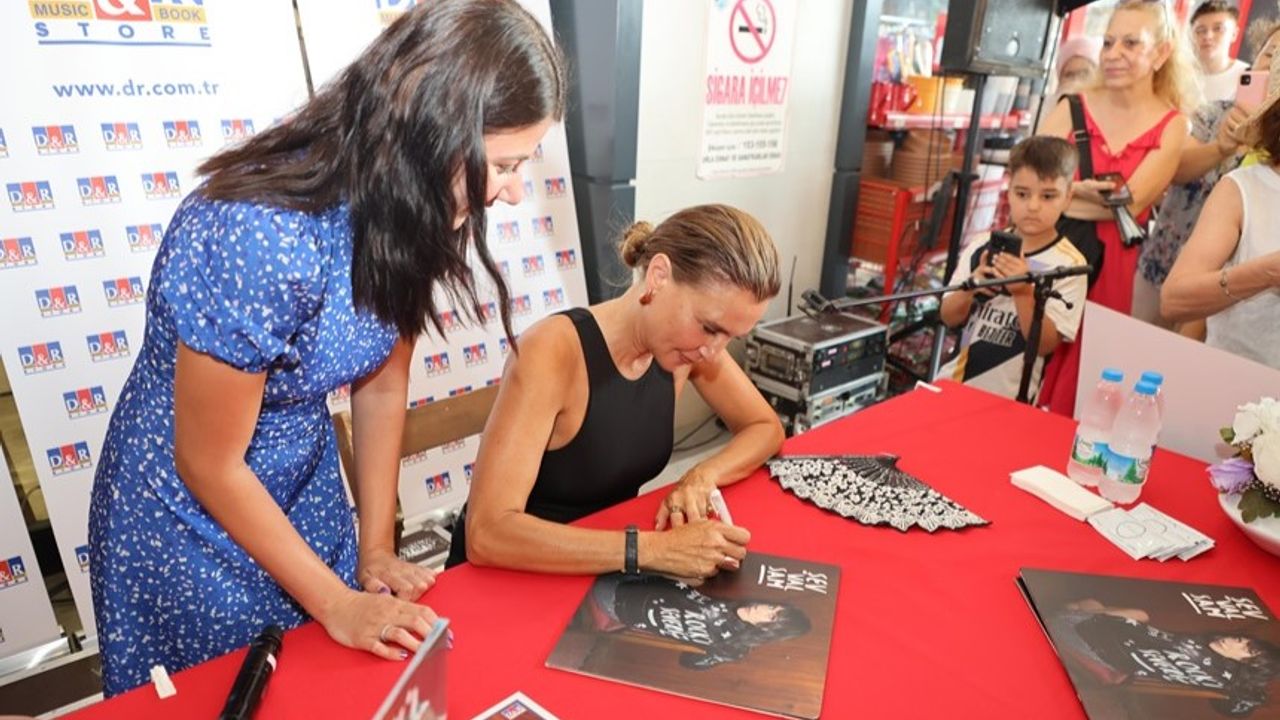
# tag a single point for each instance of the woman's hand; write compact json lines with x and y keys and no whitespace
{"x":379,"y":623}
{"x":1091,"y":190}
{"x":696,"y":549}
{"x":688,"y":501}
{"x":1228,"y":138}
{"x":381,"y":571}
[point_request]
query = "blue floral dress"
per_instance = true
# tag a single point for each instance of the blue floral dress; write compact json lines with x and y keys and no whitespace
{"x":261,"y":289}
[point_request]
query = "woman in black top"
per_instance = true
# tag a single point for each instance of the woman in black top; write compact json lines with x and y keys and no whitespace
{"x":586,"y":408}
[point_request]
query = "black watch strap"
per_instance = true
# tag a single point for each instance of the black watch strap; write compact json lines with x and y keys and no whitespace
{"x":631,"y":563}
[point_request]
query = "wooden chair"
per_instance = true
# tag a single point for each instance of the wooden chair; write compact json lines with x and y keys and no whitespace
{"x":425,"y":427}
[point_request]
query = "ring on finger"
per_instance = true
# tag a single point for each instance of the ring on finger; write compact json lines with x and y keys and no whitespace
{"x":676,"y":509}
{"x":382,"y":635}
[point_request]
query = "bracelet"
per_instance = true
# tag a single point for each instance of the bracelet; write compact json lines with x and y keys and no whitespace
{"x":1222,"y":283}
{"x":631,"y":563}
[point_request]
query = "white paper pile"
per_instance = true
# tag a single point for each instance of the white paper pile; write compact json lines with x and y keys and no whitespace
{"x":1145,"y":532}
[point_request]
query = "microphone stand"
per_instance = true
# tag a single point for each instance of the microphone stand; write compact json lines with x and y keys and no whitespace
{"x":1042,"y":289}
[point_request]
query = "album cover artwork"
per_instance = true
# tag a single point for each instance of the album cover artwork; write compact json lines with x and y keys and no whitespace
{"x":1138,"y":648}
{"x":758,"y":638}
{"x":518,"y":706}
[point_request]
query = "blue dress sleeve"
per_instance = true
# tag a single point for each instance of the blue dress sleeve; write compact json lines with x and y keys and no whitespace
{"x":240,"y":279}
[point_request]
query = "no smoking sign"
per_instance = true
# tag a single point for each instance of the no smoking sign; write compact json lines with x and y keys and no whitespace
{"x":752,"y":28}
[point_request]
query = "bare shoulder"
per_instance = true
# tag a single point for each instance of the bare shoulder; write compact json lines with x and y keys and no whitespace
{"x":546,"y":346}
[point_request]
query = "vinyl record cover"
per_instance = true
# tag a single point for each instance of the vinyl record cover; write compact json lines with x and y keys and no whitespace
{"x":1152,"y":649}
{"x":758,"y":638}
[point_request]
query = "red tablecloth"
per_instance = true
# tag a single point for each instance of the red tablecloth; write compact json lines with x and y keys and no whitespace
{"x":927,"y":626}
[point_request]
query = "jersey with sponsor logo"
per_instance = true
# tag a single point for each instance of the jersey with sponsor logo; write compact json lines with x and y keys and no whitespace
{"x":992,"y":343}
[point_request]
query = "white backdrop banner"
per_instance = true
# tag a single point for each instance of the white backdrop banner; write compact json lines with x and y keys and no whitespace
{"x":108,"y":107}
{"x":26,"y":617}
{"x":534,"y":243}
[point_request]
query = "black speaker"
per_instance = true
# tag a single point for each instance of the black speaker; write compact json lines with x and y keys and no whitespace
{"x":999,"y":37}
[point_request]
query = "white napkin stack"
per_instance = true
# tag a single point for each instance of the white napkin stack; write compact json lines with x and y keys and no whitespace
{"x":1059,"y":491}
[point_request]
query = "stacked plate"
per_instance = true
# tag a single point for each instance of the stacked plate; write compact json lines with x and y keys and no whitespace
{"x":871,"y":490}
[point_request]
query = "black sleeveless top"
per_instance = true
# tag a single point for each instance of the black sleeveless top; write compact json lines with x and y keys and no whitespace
{"x":625,"y":440}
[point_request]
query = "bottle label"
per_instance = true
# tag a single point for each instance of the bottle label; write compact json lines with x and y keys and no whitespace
{"x":1126,"y":469}
{"x":1089,"y":453}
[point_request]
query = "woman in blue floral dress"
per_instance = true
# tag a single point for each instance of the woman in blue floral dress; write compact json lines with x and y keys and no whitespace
{"x":311,"y":257}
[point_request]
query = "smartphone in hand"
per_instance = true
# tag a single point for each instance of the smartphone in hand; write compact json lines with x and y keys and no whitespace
{"x":1253,"y":89}
{"x":1120,"y":196}
{"x":1004,"y":242}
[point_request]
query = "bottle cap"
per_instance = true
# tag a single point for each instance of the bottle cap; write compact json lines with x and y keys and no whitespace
{"x":1112,"y":375}
{"x":1152,"y":377}
{"x":1144,"y":388}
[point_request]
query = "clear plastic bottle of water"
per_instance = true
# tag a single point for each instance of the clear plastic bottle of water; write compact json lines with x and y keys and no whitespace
{"x":1133,"y":438}
{"x":1156,"y":379}
{"x":1089,"y":450}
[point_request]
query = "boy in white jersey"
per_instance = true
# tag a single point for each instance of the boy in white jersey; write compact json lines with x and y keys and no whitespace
{"x":997,"y":323}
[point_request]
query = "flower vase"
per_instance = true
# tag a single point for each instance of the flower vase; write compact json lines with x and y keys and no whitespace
{"x":1265,"y":532}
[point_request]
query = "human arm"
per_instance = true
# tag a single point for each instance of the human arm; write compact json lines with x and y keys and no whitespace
{"x":216,"y":408}
{"x":377,"y":418}
{"x":1193,"y":289}
{"x":956,"y":305}
{"x":1023,"y":295}
{"x":757,"y":435}
{"x":536,"y":389}
{"x":1199,"y":157}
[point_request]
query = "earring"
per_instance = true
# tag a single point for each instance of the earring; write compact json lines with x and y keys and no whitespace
{"x":647,"y":297}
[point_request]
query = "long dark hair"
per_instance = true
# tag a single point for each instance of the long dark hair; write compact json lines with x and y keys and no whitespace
{"x":388,"y":136}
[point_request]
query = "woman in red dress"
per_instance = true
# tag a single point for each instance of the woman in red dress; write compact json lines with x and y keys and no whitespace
{"x":1136,"y":128}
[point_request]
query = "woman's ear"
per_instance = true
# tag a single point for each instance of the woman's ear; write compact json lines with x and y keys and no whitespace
{"x":659,"y":271}
{"x":1164,"y":51}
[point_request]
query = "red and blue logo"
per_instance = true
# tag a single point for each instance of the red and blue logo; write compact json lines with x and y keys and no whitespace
{"x":493,"y":381}
{"x":54,"y":301}
{"x":566,"y":259}
{"x":85,"y":402}
{"x":4,"y":145}
{"x":463,"y":390}
{"x":143,"y":238}
{"x":532,"y":265}
{"x":41,"y":357}
{"x":182,"y":133}
{"x":450,"y":321}
{"x":553,"y":298}
{"x":122,"y":136}
{"x":437,"y":364}
{"x":489,"y":312}
{"x":160,"y":185}
{"x":55,"y":139}
{"x":509,"y":232}
{"x":121,"y":22}
{"x":27,"y":196}
{"x":537,"y":154}
{"x":504,"y":269}
{"x":107,"y":346}
{"x":543,"y":227}
{"x":237,"y":129}
{"x":422,"y":401}
{"x":452,"y":447}
{"x":69,"y":458}
{"x":17,"y":252}
{"x":467,"y":470}
{"x":13,"y":571}
{"x":82,"y":558}
{"x":556,"y":187}
{"x":438,"y":484}
{"x":81,"y":244}
{"x":473,"y":355}
{"x":504,"y":346}
{"x":98,"y":189}
{"x":521,"y":305}
{"x":123,"y":291}
{"x":340,"y":394}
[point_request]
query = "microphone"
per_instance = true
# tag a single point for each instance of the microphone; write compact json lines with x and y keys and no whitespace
{"x":252,"y":679}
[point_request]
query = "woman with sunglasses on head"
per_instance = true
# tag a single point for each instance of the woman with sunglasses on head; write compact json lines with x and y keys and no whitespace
{"x":585,"y":412}
{"x":310,"y":258}
{"x":1135,"y":126}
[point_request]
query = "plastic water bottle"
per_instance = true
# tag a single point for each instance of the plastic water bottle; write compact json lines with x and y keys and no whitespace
{"x":1156,"y":379}
{"x":1132,"y":439}
{"x":1089,"y":450}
